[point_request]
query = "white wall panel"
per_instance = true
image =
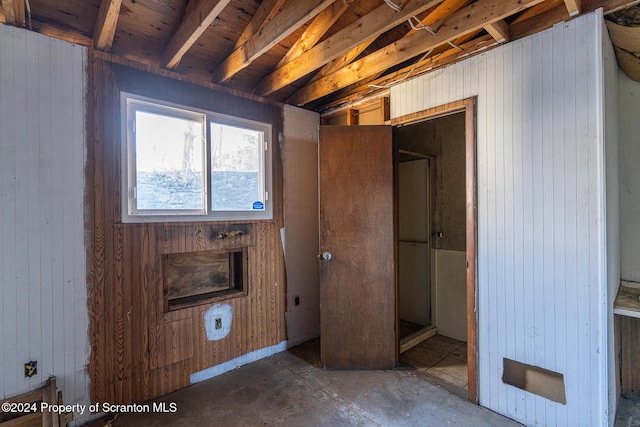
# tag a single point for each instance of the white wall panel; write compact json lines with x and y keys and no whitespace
{"x":43,"y":303}
{"x":301,"y":212}
{"x":541,"y":225}
{"x":612,"y":165}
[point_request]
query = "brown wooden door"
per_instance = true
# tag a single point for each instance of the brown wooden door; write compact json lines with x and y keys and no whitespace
{"x":357,"y":228}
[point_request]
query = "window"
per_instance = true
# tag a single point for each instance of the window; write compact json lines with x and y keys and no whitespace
{"x":184,"y":164}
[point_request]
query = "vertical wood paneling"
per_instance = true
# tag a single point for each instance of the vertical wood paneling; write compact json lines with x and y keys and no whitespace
{"x":43,"y":313}
{"x":541,"y":283}
{"x":134,"y":341}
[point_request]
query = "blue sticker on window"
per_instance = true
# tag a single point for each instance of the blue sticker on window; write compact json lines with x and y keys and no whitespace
{"x":258,"y":206}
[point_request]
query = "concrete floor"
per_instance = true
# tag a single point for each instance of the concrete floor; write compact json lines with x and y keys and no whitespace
{"x":290,"y":389}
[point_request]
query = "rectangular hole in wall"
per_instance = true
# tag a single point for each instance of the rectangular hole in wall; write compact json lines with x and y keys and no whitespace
{"x":534,"y":379}
{"x":194,"y":278}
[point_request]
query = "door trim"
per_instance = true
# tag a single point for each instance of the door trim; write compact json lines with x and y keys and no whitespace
{"x":468,"y":106}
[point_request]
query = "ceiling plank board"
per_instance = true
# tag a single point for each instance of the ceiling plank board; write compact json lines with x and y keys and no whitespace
{"x":573,"y":7}
{"x":471,"y":18}
{"x":537,"y":10}
{"x":381,"y":19}
{"x":197,"y":18}
{"x":14,"y":12}
{"x":105,"y":28}
{"x":608,"y":6}
{"x":499,"y":31}
{"x":264,"y":14}
{"x":315,"y":31}
{"x":283,"y":24}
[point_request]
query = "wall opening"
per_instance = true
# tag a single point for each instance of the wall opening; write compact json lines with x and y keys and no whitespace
{"x":536,"y":380}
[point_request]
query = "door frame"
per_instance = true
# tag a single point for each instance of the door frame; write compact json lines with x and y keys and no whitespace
{"x":467,"y":105}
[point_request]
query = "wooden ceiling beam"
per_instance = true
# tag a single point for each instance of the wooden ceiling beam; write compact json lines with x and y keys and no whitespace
{"x":573,"y":7}
{"x":105,"y":28}
{"x":499,"y":31}
{"x":471,"y":18}
{"x":283,"y":24}
{"x":264,"y":14}
{"x":198,"y":16}
{"x":444,"y":9}
{"x":14,"y":12}
{"x":441,"y":56}
{"x":381,"y":19}
{"x":315,"y":31}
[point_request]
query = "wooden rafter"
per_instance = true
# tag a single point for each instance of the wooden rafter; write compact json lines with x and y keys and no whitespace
{"x":105,"y":28}
{"x":499,"y":30}
{"x":441,"y":56}
{"x":197,"y":18}
{"x":469,"y":19}
{"x":284,"y":23}
{"x":573,"y":7}
{"x":376,"y":22}
{"x":14,"y":12}
{"x":264,"y":14}
{"x":444,"y":9}
{"x":316,"y":30}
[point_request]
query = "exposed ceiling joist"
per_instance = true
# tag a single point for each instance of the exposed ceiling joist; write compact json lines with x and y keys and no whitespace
{"x":197,"y":18}
{"x":105,"y":28}
{"x":316,"y":30}
{"x":499,"y":31}
{"x":284,"y":23}
{"x":471,"y":18}
{"x":264,"y":14}
{"x":14,"y":12}
{"x":374,"y":23}
{"x":573,"y":7}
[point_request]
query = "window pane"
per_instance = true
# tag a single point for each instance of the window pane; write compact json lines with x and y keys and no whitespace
{"x":169,"y":166}
{"x":236,"y":168}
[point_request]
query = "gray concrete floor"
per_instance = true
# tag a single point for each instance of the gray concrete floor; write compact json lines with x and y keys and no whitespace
{"x":290,"y":389}
{"x":628,"y":414}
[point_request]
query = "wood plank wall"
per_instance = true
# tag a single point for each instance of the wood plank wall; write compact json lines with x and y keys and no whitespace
{"x":541,"y":227}
{"x":43,"y":312}
{"x":138,"y":351}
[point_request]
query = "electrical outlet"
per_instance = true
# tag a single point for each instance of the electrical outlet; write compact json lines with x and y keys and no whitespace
{"x":30,"y":368}
{"x":296,"y":300}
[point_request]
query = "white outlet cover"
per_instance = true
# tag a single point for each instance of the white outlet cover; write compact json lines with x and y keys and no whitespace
{"x":218,"y":311}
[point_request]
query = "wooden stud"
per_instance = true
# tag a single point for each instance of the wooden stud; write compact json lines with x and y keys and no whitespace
{"x":105,"y":27}
{"x":352,"y":116}
{"x":373,"y":24}
{"x":385,"y":109}
{"x":282,"y":25}
{"x":471,"y":18}
{"x":573,"y":7}
{"x":14,"y":12}
{"x":499,"y":31}
{"x":197,"y":18}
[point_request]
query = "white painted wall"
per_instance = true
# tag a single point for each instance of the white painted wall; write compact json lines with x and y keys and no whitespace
{"x":43,"y":298}
{"x":542,"y":284}
{"x":451,"y":293}
{"x":612,"y":204}
{"x":629,"y":111}
{"x":300,"y":164}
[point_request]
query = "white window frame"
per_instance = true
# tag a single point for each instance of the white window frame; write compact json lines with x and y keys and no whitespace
{"x":129,"y":103}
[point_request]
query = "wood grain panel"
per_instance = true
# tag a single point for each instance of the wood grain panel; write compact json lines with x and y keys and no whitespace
{"x":140,"y":351}
{"x":629,"y":351}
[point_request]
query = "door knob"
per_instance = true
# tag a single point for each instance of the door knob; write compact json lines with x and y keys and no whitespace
{"x":326,"y":256}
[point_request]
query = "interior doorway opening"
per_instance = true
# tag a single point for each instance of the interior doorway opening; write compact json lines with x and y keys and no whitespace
{"x":432,"y":252}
